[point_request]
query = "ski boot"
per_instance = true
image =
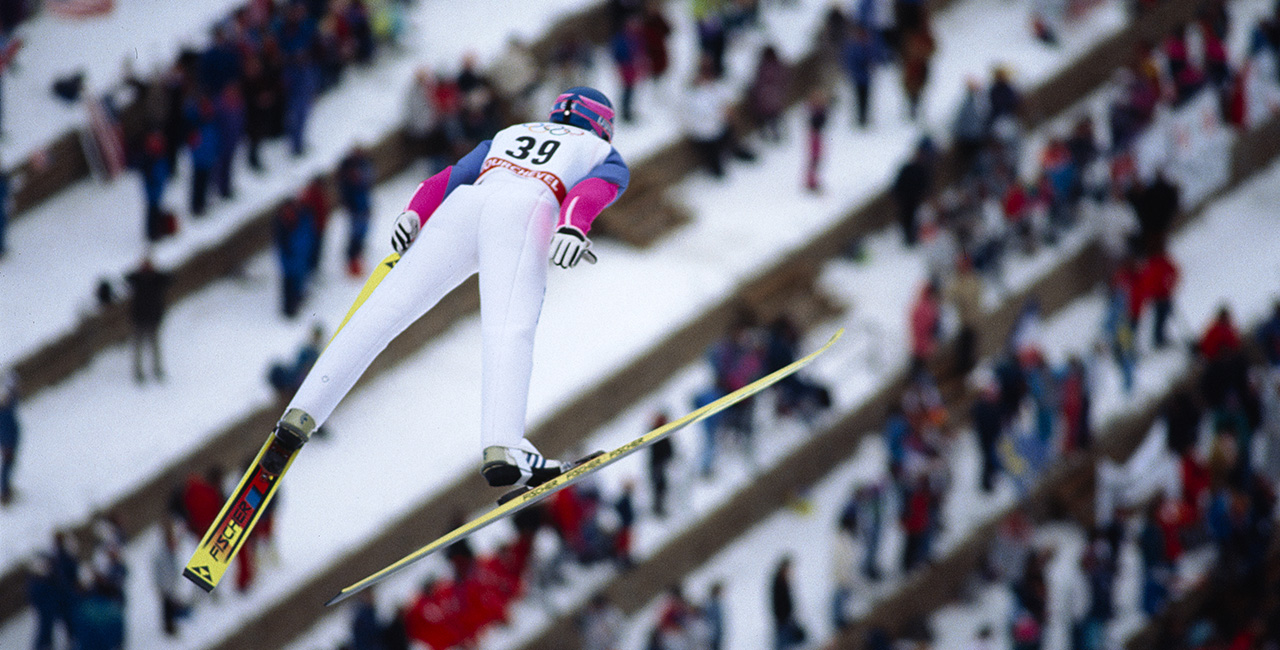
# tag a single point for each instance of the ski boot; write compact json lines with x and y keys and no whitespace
{"x":519,"y":466}
{"x":292,"y":431}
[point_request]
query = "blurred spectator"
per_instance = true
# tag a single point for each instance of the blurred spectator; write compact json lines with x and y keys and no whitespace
{"x":229,"y":116}
{"x":423,"y":128}
{"x":6,"y":205}
{"x":300,"y":76}
{"x":177,"y":84}
{"x":767,"y":95}
{"x":368,"y":631}
{"x":1116,"y":226}
{"x":708,"y":105}
{"x":149,"y":289}
{"x":912,"y":185}
{"x":788,"y":632}
{"x":1046,"y":16}
{"x":661,"y":453}
{"x":355,"y":184}
{"x":918,"y":47}
{"x":1118,"y":323}
{"x":1221,"y":338}
{"x":262,"y":88}
{"x":9,"y":434}
{"x":515,"y":77}
{"x":988,"y":427}
{"x":155,"y":178}
{"x":625,"y":510}
{"x":917,"y":522}
{"x":201,"y":499}
{"x":1156,"y":205}
{"x":817,"y":108}
{"x":965,"y":295}
{"x":712,"y":36}
{"x":1268,"y":335}
{"x":203,"y":143}
{"x":844,"y":569}
{"x":286,"y":377}
{"x":1226,"y":372}
{"x":315,"y":198}
{"x":628,"y":51}
{"x":601,"y":624}
{"x":1010,"y":550}
{"x":796,"y":394}
{"x":675,"y":622}
{"x":656,"y":31}
{"x":860,"y":54}
{"x":713,"y":613}
{"x":869,"y":504}
{"x":45,"y":598}
{"x":970,"y":127}
{"x":925,"y":323}
{"x":1157,"y":565}
{"x":295,"y":239}
{"x":736,"y":360}
{"x":1003,"y":100}
{"x":1076,"y":401}
{"x":166,"y":572}
{"x":1159,"y":276}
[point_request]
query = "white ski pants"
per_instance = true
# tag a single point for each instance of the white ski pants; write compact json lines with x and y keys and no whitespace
{"x":500,"y":228}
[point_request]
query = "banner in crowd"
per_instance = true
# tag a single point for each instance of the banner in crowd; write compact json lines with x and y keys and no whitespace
{"x":103,"y":141}
{"x":79,"y":8}
{"x":1191,"y":145}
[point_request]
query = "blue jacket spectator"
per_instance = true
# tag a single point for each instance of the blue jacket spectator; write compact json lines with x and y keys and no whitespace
{"x":861,"y":53}
{"x":154,"y":165}
{"x":220,"y":64}
{"x":203,"y":141}
{"x":355,"y":184}
{"x":5,"y":182}
{"x":229,"y":119}
{"x":295,"y":234}
{"x":8,"y":436}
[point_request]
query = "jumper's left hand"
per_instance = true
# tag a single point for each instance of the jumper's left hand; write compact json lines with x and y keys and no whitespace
{"x":569,"y":246}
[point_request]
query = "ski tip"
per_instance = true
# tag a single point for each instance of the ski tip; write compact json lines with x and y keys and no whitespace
{"x":342,"y":595}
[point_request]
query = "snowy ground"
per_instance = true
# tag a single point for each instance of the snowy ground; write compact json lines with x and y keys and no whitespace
{"x":149,"y":35}
{"x":693,"y":269}
{"x":736,"y":233}
{"x":1243,"y":223}
{"x":107,"y":219}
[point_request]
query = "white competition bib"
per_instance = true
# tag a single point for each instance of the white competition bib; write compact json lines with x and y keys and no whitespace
{"x":558,"y":155}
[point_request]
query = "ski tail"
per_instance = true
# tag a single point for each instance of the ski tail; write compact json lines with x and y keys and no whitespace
{"x":229,"y":532}
{"x":516,"y":501}
{"x":231,"y":529}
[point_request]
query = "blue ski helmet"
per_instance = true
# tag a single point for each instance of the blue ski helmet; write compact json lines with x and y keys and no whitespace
{"x":585,"y":108}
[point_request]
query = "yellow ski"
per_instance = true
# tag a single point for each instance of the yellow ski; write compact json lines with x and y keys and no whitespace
{"x":224,"y":539}
{"x":519,"y":500}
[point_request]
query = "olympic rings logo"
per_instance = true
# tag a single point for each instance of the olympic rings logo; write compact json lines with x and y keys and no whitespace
{"x":552,"y":129}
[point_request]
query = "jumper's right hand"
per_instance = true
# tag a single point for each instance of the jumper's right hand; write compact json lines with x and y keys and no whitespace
{"x":405,"y":231}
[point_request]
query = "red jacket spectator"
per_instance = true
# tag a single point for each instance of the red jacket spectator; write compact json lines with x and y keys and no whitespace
{"x":568,"y":512}
{"x":202,"y":499}
{"x":1195,"y":482}
{"x":432,"y":618}
{"x":925,"y":321}
{"x":1159,"y":277}
{"x":1016,"y":203}
{"x":1128,"y":278}
{"x":1220,"y":337}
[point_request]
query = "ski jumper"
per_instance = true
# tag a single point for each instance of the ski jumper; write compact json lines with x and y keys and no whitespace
{"x":492,"y":213}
